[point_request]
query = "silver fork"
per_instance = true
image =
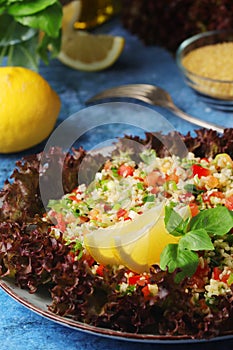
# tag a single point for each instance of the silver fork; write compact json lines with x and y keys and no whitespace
{"x":152,"y":95}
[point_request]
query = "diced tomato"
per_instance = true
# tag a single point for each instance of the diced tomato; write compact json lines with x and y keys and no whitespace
{"x":138,"y":279}
{"x":146,"y":291}
{"x":194,"y":208}
{"x":218,"y":277}
{"x":71,"y":256}
{"x":88,"y":258}
{"x":100,"y":270}
{"x":74,"y":198}
{"x":134,"y":279}
{"x":121,"y":213}
{"x":225,"y":278}
{"x":198,"y":278}
{"x":206,"y":197}
{"x":229,"y":202}
{"x":83,"y":219}
{"x":172,"y":177}
{"x":125,"y":170}
{"x":216,"y":273}
{"x":200,"y":171}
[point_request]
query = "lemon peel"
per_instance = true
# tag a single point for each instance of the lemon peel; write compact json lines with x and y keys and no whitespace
{"x":89,"y":52}
{"x":84,"y":51}
{"x":136,"y":245}
{"x":28,"y":109}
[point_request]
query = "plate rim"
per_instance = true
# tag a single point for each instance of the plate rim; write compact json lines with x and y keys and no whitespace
{"x":10,"y":288}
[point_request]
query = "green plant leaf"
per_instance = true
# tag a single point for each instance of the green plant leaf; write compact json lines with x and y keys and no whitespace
{"x":174,"y":223}
{"x":28,"y":7}
{"x":174,"y":258}
{"x":217,"y":221}
{"x":24,"y":54}
{"x":48,"y":20}
{"x":196,"y":240}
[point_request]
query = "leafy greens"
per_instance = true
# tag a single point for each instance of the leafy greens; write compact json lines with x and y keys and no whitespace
{"x":22,"y":20}
{"x":195,"y":236}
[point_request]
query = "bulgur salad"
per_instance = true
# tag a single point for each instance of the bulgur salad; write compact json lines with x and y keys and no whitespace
{"x":181,"y":285}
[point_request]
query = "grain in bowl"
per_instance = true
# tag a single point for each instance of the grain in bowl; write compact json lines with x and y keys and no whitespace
{"x":206,"y":60}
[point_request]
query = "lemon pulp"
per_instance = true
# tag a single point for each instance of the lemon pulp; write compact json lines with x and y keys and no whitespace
{"x":136,"y":245}
{"x":85,"y":51}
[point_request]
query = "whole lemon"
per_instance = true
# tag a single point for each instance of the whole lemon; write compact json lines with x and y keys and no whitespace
{"x":29,"y":108}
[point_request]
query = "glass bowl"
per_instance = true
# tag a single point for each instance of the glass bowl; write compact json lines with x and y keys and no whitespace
{"x":208,"y":66}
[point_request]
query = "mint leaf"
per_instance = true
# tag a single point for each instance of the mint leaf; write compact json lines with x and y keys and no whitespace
{"x":196,"y":240}
{"x":25,"y":8}
{"x":172,"y":257}
{"x":174,"y":223}
{"x":48,"y":20}
{"x":216,"y":221}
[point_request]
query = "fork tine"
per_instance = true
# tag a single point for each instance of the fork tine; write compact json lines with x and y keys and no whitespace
{"x":139,"y":91}
{"x":121,"y":94}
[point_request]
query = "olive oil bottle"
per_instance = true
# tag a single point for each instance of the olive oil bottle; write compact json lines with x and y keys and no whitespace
{"x":93,"y":13}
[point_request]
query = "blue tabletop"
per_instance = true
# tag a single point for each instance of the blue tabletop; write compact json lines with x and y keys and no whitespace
{"x":20,"y":328}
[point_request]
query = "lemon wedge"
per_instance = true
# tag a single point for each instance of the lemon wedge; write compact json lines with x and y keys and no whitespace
{"x":84,"y":51}
{"x":89,"y":52}
{"x":136,"y":244}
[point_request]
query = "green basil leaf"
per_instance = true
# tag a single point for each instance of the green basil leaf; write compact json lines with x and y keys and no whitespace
{"x":174,"y":223}
{"x":48,"y":20}
{"x":216,"y":221}
{"x":196,"y":240}
{"x":29,"y":7}
{"x":174,"y":258}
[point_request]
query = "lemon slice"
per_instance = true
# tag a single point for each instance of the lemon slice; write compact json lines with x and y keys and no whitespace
{"x":82,"y":50}
{"x":136,"y":245}
{"x":88,"y":52}
{"x":146,"y":249}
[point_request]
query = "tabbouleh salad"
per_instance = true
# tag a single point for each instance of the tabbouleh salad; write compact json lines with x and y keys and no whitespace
{"x":188,"y":292}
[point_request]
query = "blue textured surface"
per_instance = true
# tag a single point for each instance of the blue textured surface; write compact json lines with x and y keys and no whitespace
{"x":21,"y":328}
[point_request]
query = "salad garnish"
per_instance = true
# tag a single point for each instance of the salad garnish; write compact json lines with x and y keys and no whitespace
{"x":196,"y":234}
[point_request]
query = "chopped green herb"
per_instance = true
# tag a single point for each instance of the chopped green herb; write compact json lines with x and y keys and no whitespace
{"x":140,"y":186}
{"x":149,"y":198}
{"x":193,"y":189}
